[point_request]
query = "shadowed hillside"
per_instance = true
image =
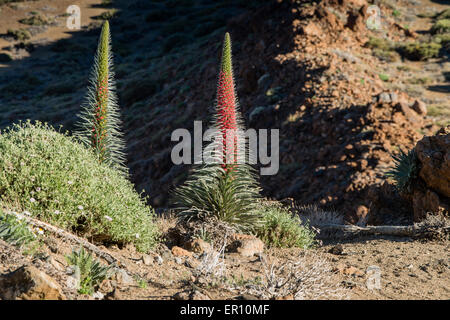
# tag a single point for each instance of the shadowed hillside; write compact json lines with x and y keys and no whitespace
{"x":342,"y":101}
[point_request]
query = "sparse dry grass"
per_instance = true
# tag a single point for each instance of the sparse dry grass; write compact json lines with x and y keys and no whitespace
{"x":212,"y":267}
{"x":316,"y":217}
{"x":166,"y":221}
{"x":438,"y":110}
{"x":309,"y":277}
{"x":440,"y":113}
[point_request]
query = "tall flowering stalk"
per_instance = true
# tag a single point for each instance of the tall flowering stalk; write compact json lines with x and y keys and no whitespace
{"x":227,"y":189}
{"x":99,"y":125}
{"x":226,"y":118}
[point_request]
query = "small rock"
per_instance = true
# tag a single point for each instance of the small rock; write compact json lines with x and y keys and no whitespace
{"x":123,"y":277}
{"x":384,"y":97}
{"x":178,"y":260}
{"x":166,"y":255}
{"x":70,"y":270}
{"x":106,"y":286}
{"x":337,"y":250}
{"x":55,"y":264}
{"x":180,"y":252}
{"x":312,"y":30}
{"x":247,"y":247}
{"x":98,"y":295}
{"x":349,"y":271}
{"x":159,"y":260}
{"x":288,"y":297}
{"x":191,"y":263}
{"x":182,"y":295}
{"x":246,"y":296}
{"x":73,"y":283}
{"x":409,"y":114}
{"x":199,"y":246}
{"x":190,"y":295}
{"x":419,"y":107}
{"x":114,"y":295}
{"x":29,"y":283}
{"x":146,"y":259}
{"x":394,"y":97}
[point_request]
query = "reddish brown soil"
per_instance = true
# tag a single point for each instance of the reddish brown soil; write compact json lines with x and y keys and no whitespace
{"x":318,"y":84}
{"x":409,"y":270}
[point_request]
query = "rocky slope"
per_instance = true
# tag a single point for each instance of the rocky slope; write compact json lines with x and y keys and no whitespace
{"x":408,"y":270}
{"x":307,"y":68}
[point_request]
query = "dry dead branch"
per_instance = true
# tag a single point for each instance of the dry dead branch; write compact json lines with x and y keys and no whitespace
{"x":66,"y":235}
{"x":416,"y":230}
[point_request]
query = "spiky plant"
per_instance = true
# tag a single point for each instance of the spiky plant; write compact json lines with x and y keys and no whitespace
{"x":227,"y":189}
{"x":92,"y":272}
{"x":99,"y":124}
{"x":404,"y":170}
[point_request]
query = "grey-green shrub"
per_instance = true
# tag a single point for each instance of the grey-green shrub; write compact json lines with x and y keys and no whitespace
{"x":282,"y":229}
{"x":59,"y":181}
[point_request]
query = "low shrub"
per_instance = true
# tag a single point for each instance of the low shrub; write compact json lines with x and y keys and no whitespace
{"x":59,"y":181}
{"x":386,"y":55}
{"x":379,"y":43}
{"x":5,"y":57}
{"x":444,"y":14}
{"x":421,"y":50}
{"x":2,"y":2}
{"x":441,"y":26}
{"x":35,"y":20}
{"x":443,"y":39}
{"x":108,"y":15}
{"x":384,"y":77}
{"x":18,"y":34}
{"x":282,"y":229}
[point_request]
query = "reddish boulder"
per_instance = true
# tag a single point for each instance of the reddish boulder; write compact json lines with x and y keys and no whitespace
{"x":434,"y":156}
{"x":432,"y":194}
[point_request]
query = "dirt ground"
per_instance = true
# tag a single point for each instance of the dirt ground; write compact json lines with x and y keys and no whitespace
{"x":53,"y":10}
{"x":409,"y":269}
